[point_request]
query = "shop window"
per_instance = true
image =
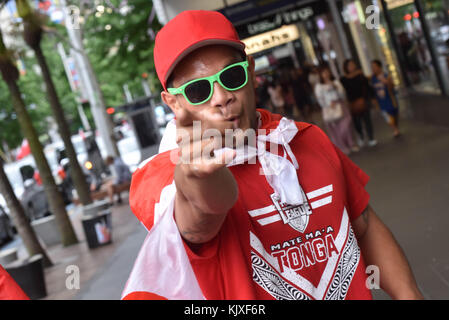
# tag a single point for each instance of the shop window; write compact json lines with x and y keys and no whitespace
{"x":417,"y":60}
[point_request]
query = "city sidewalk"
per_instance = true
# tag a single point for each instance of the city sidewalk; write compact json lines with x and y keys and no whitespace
{"x":90,"y":262}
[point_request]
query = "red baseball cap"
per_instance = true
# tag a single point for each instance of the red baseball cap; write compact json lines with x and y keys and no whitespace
{"x":187,"y":32}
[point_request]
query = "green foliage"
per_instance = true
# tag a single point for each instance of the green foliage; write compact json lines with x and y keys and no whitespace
{"x":120,"y":54}
{"x":67,"y":98}
{"x":33,"y":92}
{"x":10,"y":132}
{"x":121,"y":49}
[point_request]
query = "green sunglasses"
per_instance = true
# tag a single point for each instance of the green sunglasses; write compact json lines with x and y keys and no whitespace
{"x":198,"y":91}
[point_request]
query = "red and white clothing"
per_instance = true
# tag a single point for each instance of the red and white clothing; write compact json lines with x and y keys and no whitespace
{"x":265,"y":249}
{"x":9,"y":289}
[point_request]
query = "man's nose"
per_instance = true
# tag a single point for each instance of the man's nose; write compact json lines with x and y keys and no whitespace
{"x":221,"y":97}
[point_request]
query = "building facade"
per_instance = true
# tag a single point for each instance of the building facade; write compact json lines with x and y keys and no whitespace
{"x":411,"y":37}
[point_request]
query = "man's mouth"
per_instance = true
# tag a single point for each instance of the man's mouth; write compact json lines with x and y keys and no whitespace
{"x":235,"y":121}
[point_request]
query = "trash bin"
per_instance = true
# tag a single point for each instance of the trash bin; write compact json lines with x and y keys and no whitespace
{"x":98,"y":229}
{"x":29,"y":275}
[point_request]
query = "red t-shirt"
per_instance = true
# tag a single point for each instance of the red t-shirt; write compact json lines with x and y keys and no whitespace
{"x":266,"y":250}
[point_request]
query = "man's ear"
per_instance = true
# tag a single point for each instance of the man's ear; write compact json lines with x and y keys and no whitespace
{"x":170,"y":100}
{"x":252,"y":71}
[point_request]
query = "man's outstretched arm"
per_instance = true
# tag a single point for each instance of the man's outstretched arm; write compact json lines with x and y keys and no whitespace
{"x":380,"y":248}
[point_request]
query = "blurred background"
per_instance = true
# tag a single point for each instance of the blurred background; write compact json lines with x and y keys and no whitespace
{"x":78,"y":85}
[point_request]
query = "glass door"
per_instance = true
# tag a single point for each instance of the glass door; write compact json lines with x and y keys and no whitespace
{"x":437,"y":17}
{"x":414,"y":48}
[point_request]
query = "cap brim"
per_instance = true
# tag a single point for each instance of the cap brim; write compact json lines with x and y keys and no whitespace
{"x":239,"y":45}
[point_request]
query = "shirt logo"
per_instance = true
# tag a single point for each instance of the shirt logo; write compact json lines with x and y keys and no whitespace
{"x":296,"y":217}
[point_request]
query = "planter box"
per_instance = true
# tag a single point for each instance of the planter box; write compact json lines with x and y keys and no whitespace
{"x":47,"y":230}
{"x":96,"y":207}
{"x":8,"y":256}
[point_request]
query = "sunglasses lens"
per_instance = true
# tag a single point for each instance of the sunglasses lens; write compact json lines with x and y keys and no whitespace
{"x":198,"y":91}
{"x":233,"y":78}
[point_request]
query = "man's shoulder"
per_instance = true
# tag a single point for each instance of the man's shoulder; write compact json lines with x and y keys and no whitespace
{"x":313,"y":136}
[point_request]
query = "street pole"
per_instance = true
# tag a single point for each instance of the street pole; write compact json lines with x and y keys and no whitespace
{"x":101,"y":118}
{"x":128,"y":96}
{"x":336,"y":16}
{"x":146,"y":88}
{"x":68,"y":72}
{"x":160,"y":11}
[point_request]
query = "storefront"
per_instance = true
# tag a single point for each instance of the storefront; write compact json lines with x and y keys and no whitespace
{"x":420,"y":30}
{"x":287,"y":34}
{"x":411,"y":37}
{"x":365,"y":26}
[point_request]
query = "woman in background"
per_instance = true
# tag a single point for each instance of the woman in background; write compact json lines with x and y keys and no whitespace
{"x":276,"y":96}
{"x":331,"y":97}
{"x":358,"y":89}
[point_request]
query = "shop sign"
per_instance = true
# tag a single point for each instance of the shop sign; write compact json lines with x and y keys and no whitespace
{"x":253,"y":8}
{"x":279,"y":20}
{"x":392,"y":4}
{"x":271,"y":39}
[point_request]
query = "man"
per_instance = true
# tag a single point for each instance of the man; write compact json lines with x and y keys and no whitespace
{"x":297,"y":225}
{"x":122,"y":175}
{"x":383,"y":86}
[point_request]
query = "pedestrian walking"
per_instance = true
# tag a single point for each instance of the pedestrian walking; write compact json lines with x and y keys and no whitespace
{"x":384,"y":89}
{"x":262,"y":93}
{"x":358,"y":90}
{"x":302,"y":93}
{"x":230,"y":225}
{"x":287,"y":92}
{"x":276,"y":96}
{"x":314,"y":77}
{"x":337,"y":119}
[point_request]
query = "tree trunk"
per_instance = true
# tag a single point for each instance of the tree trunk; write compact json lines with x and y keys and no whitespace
{"x":20,"y":219}
{"x":77,"y":174}
{"x":54,"y":197}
